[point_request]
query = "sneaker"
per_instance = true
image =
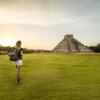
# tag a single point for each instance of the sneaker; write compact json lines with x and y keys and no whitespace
{"x":18,"y":80}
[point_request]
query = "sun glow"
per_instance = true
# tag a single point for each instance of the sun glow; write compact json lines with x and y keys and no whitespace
{"x":7,"y":42}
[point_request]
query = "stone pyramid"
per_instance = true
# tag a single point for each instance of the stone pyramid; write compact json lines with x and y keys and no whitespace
{"x":71,"y":45}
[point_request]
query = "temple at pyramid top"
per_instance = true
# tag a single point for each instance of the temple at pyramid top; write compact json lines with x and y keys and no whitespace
{"x":68,"y":35}
{"x":71,"y":45}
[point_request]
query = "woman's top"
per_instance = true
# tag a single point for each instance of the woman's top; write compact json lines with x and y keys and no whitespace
{"x":20,"y":53}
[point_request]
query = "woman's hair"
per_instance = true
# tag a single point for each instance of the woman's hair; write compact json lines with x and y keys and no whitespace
{"x":18,"y":43}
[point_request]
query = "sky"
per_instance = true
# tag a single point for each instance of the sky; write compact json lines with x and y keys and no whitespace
{"x":42,"y":24}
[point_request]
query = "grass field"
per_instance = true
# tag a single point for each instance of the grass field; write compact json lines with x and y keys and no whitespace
{"x":52,"y":77}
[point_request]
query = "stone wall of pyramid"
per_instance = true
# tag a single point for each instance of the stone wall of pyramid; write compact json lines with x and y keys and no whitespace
{"x":71,"y":45}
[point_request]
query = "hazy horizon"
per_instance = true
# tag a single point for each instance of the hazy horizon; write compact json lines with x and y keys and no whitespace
{"x":42,"y":24}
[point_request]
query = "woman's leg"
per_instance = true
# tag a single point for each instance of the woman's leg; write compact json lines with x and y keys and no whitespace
{"x":18,"y":73}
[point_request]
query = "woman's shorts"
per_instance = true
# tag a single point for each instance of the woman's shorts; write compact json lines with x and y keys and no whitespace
{"x":18,"y":63}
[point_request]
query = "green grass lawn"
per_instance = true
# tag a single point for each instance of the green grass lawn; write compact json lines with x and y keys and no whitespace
{"x":52,"y":77}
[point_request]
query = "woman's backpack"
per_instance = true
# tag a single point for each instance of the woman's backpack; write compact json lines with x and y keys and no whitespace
{"x":14,"y":54}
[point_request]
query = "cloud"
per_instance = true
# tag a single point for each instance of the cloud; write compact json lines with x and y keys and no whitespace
{"x":51,"y":18}
{"x":54,"y":12}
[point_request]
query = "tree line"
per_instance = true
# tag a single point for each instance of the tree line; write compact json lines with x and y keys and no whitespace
{"x":7,"y":49}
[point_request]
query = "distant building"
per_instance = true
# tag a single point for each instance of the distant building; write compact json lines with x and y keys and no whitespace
{"x":71,"y":45}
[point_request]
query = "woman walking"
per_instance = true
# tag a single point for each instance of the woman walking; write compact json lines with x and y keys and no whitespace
{"x":18,"y":62}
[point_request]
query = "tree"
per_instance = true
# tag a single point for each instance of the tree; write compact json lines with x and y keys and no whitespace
{"x":98,"y":45}
{"x":95,"y":48}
